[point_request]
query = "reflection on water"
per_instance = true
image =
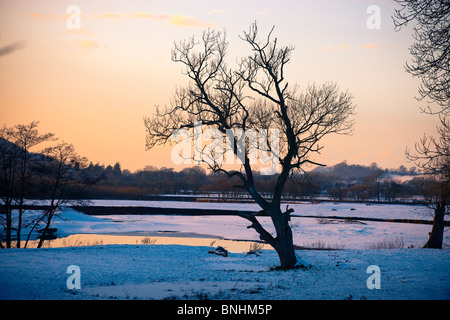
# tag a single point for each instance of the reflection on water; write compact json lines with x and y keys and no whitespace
{"x":159,"y":238}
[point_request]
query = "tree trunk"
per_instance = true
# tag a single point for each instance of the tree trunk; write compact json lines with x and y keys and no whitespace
{"x":284,"y":242}
{"x":437,"y":232}
{"x":8,"y":228}
{"x":49,"y":215}
{"x":284,"y":245}
{"x":44,"y":234}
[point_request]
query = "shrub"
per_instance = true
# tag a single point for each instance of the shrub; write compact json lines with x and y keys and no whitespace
{"x":148,"y":240}
{"x":396,"y":243}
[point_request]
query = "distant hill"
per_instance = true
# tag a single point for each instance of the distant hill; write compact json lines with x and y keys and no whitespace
{"x":355,"y":172}
{"x":344,"y":171}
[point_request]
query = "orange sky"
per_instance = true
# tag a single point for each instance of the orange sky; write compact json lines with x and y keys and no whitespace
{"x":92,"y":86}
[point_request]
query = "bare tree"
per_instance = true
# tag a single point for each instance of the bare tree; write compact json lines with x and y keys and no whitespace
{"x":432,"y":156}
{"x":431,"y":63}
{"x":17,"y":163}
{"x":56,"y":171}
{"x":431,"y":51}
{"x":9,"y":164}
{"x":61,"y":174}
{"x":255,"y":96}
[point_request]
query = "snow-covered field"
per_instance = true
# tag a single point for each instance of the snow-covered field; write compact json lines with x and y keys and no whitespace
{"x":165,"y":269}
{"x":189,"y":272}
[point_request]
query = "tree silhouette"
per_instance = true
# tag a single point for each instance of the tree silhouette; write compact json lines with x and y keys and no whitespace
{"x":255,"y":96}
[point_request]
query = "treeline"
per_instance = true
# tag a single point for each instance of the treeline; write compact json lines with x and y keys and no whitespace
{"x":360,"y":183}
{"x":341,"y":182}
{"x":58,"y":173}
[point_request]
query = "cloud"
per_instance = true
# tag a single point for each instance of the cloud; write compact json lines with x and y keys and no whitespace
{"x":52,"y":16}
{"x":327,"y":48}
{"x":171,"y":19}
{"x":264,"y":12}
{"x":182,"y":21}
{"x":369,"y":46}
{"x":81,"y":32}
{"x":11,"y":48}
{"x":45,"y":16}
{"x":343,"y":46}
{"x":110,"y":15}
{"x":175,"y":20}
{"x":217,"y":11}
{"x":88,"y":44}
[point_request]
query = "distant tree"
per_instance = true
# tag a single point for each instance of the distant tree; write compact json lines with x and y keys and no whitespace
{"x":63,"y":176}
{"x":359,"y":191}
{"x":17,"y":173}
{"x":55,"y":173}
{"x":373,"y":181}
{"x":108,"y":170}
{"x":303,"y":186}
{"x":391,"y":189}
{"x":402,"y":170}
{"x":117,"y":170}
{"x":338,"y":193}
{"x":254,"y":96}
{"x":432,"y":157}
{"x":194,"y":178}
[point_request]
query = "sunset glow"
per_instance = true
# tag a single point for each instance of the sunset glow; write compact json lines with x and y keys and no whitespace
{"x":92,"y":84}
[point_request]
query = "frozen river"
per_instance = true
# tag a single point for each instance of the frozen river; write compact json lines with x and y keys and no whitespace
{"x":308,"y":232}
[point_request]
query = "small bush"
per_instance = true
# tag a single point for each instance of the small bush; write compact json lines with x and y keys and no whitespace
{"x":76,"y":242}
{"x":148,"y":240}
{"x":255,"y":248}
{"x":396,"y":243}
{"x":322,"y":245}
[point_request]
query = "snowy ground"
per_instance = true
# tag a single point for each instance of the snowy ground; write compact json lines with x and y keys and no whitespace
{"x":164,"y":269}
{"x":189,"y":272}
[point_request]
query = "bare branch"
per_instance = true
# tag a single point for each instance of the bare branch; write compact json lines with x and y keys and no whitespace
{"x":431,"y":51}
{"x":256,"y":96}
{"x":263,"y":234}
